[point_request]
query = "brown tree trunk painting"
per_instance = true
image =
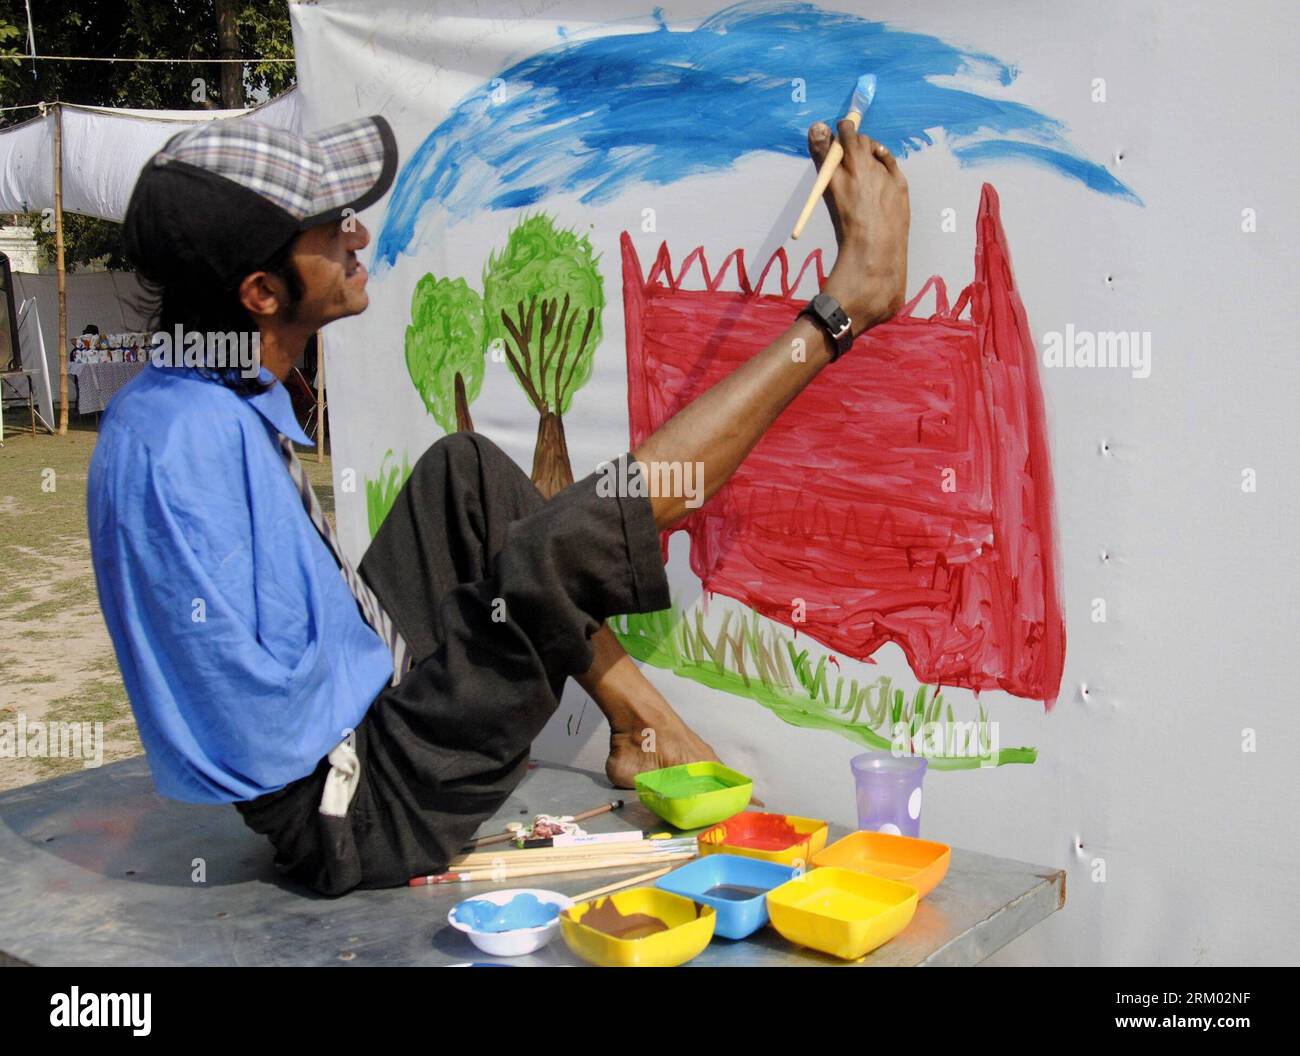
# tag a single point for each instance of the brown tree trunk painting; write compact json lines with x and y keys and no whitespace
{"x":551,"y":469}
{"x":464,"y":423}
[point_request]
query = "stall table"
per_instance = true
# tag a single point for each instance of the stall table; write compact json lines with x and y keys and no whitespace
{"x":98,"y":382}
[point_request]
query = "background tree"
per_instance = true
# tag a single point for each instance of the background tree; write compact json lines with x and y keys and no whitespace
{"x":187,"y":29}
{"x":444,"y":349}
{"x":543,"y":299}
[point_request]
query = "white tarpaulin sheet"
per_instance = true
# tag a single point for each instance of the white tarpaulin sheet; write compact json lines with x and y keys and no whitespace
{"x":103,"y":152}
{"x":1127,"y":390}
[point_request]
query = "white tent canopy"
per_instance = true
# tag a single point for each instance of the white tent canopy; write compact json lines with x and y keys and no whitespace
{"x":103,"y":152}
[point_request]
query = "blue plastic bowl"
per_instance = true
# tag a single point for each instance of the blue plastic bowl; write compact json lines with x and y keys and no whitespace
{"x":735,"y":887}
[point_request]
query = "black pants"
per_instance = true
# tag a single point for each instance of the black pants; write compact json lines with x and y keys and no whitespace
{"x":497,"y":593}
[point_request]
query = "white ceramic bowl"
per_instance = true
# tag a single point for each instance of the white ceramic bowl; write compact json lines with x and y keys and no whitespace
{"x":521,"y":940}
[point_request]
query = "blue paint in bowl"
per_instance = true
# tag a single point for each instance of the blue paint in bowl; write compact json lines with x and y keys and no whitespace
{"x":523,"y":911}
{"x":736,"y":888}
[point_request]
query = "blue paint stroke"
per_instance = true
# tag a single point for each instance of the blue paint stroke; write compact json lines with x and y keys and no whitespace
{"x":595,"y":116}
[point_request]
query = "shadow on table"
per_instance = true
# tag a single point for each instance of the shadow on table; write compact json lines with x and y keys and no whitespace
{"x":110,"y":822}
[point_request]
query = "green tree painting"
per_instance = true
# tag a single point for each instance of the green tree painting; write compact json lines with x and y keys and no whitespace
{"x":445,"y":345}
{"x":543,"y":299}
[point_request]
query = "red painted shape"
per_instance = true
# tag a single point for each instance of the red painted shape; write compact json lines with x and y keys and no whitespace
{"x":842,"y":503}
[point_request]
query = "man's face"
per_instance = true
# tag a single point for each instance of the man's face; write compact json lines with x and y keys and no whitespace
{"x":333,"y":279}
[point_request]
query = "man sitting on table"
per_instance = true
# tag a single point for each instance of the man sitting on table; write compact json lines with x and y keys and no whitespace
{"x":367,"y":721}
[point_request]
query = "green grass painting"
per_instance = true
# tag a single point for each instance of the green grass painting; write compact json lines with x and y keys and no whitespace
{"x":382,"y":492}
{"x":748,"y":656}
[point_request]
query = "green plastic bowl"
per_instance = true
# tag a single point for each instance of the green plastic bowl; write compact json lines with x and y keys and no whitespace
{"x":695,"y":794}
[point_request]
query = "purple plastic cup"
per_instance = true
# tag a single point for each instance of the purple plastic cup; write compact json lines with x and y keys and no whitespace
{"x":889,"y":792}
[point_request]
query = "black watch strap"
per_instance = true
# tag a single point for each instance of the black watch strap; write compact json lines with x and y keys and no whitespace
{"x":826,"y":310}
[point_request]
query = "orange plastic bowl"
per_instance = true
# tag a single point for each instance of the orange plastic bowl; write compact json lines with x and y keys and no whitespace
{"x":920,"y":863}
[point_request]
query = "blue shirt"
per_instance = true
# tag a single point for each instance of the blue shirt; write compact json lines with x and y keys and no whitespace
{"x":243,"y":651}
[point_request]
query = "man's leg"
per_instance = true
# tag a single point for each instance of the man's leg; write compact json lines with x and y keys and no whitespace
{"x":869,"y":208}
{"x":502,"y":597}
{"x":443,"y":530}
{"x":645,"y":733}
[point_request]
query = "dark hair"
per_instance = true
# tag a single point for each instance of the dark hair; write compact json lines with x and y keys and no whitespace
{"x":191,"y":300}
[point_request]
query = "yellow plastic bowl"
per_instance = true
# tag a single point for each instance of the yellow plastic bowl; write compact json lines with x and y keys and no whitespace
{"x":921,"y":863}
{"x":750,"y":835}
{"x":690,"y":927}
{"x":840,"y":912}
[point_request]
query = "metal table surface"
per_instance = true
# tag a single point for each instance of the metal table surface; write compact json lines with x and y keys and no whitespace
{"x":98,"y":870}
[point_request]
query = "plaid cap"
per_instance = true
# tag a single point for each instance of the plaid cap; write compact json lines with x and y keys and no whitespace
{"x":225,"y":196}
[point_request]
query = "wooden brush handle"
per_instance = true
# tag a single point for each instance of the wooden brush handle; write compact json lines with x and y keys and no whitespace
{"x":631,"y":881}
{"x":832,"y":162}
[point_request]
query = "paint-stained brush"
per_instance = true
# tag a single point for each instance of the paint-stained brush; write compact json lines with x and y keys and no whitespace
{"x":511,"y":834}
{"x":862,"y":96}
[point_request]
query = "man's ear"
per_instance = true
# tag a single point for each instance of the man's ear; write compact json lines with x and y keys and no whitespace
{"x":262,"y":294}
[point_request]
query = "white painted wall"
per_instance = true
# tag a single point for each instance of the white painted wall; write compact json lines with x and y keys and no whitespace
{"x":1147,"y":774}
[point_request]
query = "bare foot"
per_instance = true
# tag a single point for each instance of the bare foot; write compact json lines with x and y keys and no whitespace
{"x":871,"y":213}
{"x":648,"y":747}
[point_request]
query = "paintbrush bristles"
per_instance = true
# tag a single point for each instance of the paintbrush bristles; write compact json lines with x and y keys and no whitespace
{"x":863,"y":93}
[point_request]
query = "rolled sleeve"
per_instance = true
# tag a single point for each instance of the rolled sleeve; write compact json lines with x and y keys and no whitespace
{"x":649,"y":581}
{"x":590,"y":553}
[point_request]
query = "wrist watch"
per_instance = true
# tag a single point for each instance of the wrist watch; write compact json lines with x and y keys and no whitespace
{"x":826,"y":311}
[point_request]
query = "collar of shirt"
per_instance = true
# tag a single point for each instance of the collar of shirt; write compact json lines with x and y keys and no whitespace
{"x":277,"y":408}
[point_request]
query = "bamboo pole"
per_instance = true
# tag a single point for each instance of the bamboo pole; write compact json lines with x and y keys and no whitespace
{"x":320,"y":396}
{"x":59,"y":271}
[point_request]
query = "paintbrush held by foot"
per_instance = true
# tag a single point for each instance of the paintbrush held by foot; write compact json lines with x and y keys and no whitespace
{"x":863,"y":93}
